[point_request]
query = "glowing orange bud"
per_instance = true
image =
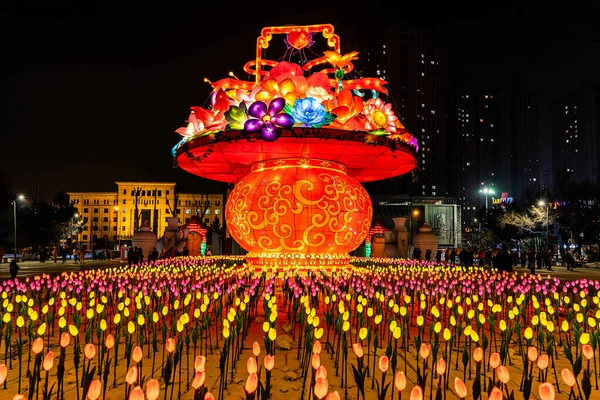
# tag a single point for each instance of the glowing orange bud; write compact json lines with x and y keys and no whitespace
{"x":588,"y":351}
{"x":269,"y":362}
{"x":19,"y":397}
{"x":503,"y":374}
{"x":94,"y":390}
{"x":315,"y":361}
{"x":478,"y":354}
{"x":440,"y":366}
{"x":321,"y":372}
{"x":110,"y":341}
{"x":3,"y":373}
{"x":152,"y":389}
{"x":132,"y":375}
{"x":199,"y":379}
{"x":424,"y":350}
{"x":400,"y":381}
{"x":495,"y":360}
{"x":255,"y":349}
{"x":532,"y":353}
{"x":496,"y":394}
{"x":136,"y":394}
{"x":48,"y":361}
{"x":251,"y":365}
{"x":65,"y":339}
{"x":251,"y":383}
{"x":37,"y":346}
{"x":209,"y":396}
{"x":333,"y":396}
{"x":170,"y":345}
{"x":460,"y":388}
{"x":137,"y":354}
{"x":316,"y":347}
{"x":358,"y":350}
{"x":568,"y":377}
{"x":384,"y":363}
{"x":321,"y":387}
{"x":416,"y":393}
{"x":542,"y":361}
{"x":90,"y":351}
{"x":547,"y":391}
{"x":199,"y":363}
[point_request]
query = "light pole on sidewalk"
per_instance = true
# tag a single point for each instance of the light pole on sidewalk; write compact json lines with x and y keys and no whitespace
{"x":19,"y":197}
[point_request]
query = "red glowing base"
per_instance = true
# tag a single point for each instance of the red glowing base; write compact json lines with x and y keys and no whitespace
{"x":230,"y":157}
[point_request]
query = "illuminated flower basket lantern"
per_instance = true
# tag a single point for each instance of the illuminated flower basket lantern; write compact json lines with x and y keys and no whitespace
{"x":297,"y":141}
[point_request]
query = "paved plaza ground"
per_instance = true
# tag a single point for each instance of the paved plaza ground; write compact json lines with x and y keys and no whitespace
{"x":33,"y":268}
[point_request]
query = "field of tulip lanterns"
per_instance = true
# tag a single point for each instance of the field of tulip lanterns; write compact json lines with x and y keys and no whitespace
{"x":208,"y":328}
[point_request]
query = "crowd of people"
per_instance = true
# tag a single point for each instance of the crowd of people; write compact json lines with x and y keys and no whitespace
{"x":135,"y":255}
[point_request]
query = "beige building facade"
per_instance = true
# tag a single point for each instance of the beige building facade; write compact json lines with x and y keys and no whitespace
{"x":112,"y":215}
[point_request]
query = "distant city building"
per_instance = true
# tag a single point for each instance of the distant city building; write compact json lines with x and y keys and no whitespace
{"x":411,"y":65}
{"x":112,"y":215}
{"x":575,"y":135}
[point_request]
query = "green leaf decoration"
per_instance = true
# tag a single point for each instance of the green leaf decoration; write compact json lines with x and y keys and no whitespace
{"x":379,"y":132}
{"x":236,"y":116}
{"x":288,"y":109}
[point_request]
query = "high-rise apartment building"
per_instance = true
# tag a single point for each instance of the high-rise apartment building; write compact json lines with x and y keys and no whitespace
{"x":575,"y":135}
{"x":115,"y":216}
{"x":412,"y":66}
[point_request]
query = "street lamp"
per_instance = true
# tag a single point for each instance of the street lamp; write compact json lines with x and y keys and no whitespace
{"x":486,"y":191}
{"x":75,"y":216}
{"x":19,"y":197}
{"x":414,"y":213}
{"x":542,"y":203}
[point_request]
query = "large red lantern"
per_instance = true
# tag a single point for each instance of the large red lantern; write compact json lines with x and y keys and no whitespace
{"x":299,"y":211}
{"x":297,"y":148}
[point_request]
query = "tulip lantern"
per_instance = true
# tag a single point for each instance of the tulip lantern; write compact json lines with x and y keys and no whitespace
{"x":297,"y":140}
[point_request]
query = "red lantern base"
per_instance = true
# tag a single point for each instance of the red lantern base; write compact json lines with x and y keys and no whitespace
{"x":298,"y":212}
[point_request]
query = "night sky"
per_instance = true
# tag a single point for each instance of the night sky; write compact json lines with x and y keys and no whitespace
{"x":92,"y":93}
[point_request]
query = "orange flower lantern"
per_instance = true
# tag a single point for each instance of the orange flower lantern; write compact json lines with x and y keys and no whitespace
{"x":297,"y":140}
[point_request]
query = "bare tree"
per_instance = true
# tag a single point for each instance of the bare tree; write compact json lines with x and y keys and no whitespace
{"x":529,"y":221}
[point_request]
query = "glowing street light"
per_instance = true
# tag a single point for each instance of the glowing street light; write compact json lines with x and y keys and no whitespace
{"x":21,"y":198}
{"x":415,"y":214}
{"x":486,"y":191}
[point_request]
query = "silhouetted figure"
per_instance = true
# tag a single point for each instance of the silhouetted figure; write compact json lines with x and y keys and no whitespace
{"x":14,"y":268}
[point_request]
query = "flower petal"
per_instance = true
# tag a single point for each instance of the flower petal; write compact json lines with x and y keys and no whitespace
{"x":253,"y":125}
{"x":258,"y":109}
{"x":276,"y":106}
{"x":283,"y":120}
{"x":269,"y":132}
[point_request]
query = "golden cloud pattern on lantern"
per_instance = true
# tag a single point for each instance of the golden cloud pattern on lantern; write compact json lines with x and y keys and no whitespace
{"x":304,"y":209}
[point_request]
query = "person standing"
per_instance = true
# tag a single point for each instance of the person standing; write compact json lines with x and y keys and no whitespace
{"x":548,"y":259}
{"x":55,"y":254}
{"x":14,"y":268}
{"x":81,"y":255}
{"x":428,"y":255}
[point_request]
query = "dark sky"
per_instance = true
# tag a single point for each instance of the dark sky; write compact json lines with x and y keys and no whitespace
{"x":91,"y":92}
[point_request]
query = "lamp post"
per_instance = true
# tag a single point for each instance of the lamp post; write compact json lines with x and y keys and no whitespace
{"x":414,"y":213}
{"x":75,"y":216}
{"x":486,"y":191}
{"x":19,"y":197}
{"x":542,"y":203}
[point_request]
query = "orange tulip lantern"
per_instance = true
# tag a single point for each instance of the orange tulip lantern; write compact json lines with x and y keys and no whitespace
{"x":132,"y":375}
{"x":251,"y":365}
{"x":333,"y":396}
{"x":48,"y":361}
{"x":400,"y":381}
{"x":65,"y":339}
{"x":384,"y":363}
{"x":297,"y":142}
{"x":440,"y":366}
{"x":90,"y":351}
{"x":495,"y":360}
{"x":170,"y":345}
{"x":152,"y":389}
{"x":532,"y":353}
{"x":255,"y":349}
{"x":588,"y":351}
{"x":137,"y":354}
{"x":19,"y":397}
{"x":424,"y":350}
{"x":495,"y":394}
{"x":199,"y":379}
{"x":478,"y":354}
{"x":251,"y":383}
{"x":568,"y":377}
{"x":547,"y":391}
{"x":542,"y":361}
{"x":94,"y":390}
{"x":37,"y":346}
{"x":136,"y":394}
{"x":3,"y":373}
{"x":460,"y":388}
{"x":269,"y":362}
{"x":416,"y":393}
{"x":199,"y":363}
{"x":321,"y":387}
{"x":317,"y":347}
{"x":503,"y":374}
{"x":209,"y":396}
{"x":315,"y":361}
{"x":110,"y":341}
{"x":358,"y":350}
